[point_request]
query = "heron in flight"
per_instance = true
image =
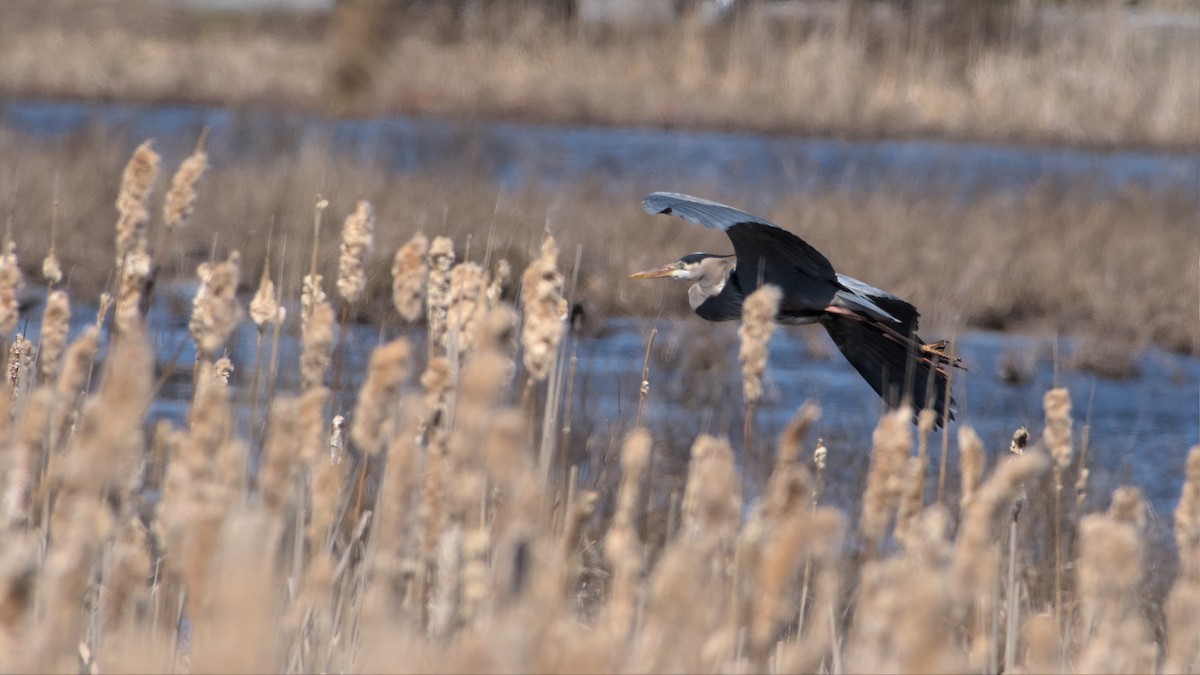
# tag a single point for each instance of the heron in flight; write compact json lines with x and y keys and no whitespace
{"x":875,"y":330}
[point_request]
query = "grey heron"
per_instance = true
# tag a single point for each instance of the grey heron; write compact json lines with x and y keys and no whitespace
{"x":875,"y":330}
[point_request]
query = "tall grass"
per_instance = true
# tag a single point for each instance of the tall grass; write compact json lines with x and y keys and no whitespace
{"x":424,"y":534}
{"x":992,"y":262}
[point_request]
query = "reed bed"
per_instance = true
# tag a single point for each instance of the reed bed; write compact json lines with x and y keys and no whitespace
{"x":1059,"y":259}
{"x":1073,"y":73}
{"x":419,"y":528}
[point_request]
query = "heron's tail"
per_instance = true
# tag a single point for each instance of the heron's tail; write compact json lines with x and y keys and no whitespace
{"x":897,"y":369}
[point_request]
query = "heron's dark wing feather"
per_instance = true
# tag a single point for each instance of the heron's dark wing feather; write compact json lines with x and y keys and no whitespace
{"x":765,"y":252}
{"x":864,"y":298}
{"x":890,"y":367}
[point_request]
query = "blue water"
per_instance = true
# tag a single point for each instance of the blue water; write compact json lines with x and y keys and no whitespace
{"x":516,"y":155}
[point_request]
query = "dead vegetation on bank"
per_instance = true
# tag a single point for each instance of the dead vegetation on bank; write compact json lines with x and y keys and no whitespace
{"x":1065,"y":73}
{"x":436,"y":528}
{"x":1118,"y":268}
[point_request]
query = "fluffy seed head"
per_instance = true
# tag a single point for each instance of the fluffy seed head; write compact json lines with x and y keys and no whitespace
{"x":51,"y":269}
{"x":758,"y":322}
{"x":56,"y":322}
{"x":264,"y":307}
{"x":11,"y":282}
{"x":1057,"y":436}
{"x":409,"y":273}
{"x":437,"y":293}
{"x":136,"y":183}
{"x":215,"y":309}
{"x":181,"y":197}
{"x":358,"y":239}
{"x":544,"y":310}
{"x":377,"y":399}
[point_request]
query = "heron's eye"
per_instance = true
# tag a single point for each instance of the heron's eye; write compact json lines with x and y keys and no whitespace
{"x":679,"y":265}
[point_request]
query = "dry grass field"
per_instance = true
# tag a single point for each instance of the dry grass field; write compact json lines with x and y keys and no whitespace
{"x":1094,"y":74}
{"x":434,"y":527}
{"x":1118,"y":267}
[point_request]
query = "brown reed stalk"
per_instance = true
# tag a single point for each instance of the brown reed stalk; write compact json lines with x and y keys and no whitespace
{"x":51,"y":268}
{"x":410,"y":270}
{"x":758,"y":323}
{"x":890,"y":448}
{"x":644,"y":388}
{"x":622,"y":546}
{"x":11,"y":283}
{"x":181,"y":196}
{"x":1056,"y":438}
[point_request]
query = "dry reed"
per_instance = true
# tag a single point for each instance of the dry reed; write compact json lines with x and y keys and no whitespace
{"x":215,"y":308}
{"x":181,"y":196}
{"x":409,"y":274}
{"x":56,"y":322}
{"x":544,"y":310}
{"x":358,"y":240}
{"x":264,"y":306}
{"x":437,"y":290}
{"x":423,"y":536}
{"x":758,"y":322}
{"x":11,"y":283}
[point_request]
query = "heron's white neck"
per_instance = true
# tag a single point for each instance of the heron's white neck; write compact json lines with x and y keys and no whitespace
{"x":711,"y":275}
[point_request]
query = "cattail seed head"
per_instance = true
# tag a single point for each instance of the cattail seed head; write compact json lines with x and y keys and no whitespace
{"x":466,"y":296}
{"x":891,"y":445}
{"x":377,"y":399}
{"x":311,"y":294}
{"x":264,"y":307}
{"x":181,"y":197}
{"x":437,"y":289}
{"x":11,"y":283}
{"x":409,"y":273}
{"x":358,"y":239}
{"x":1057,"y":435}
{"x":758,"y":322}
{"x":223,"y":369}
{"x":316,"y":339}
{"x":544,"y":310}
{"x":136,"y":183}
{"x":20,"y":365}
{"x":970,"y":451}
{"x":215,"y":309}
{"x":51,"y":269}
{"x":56,"y":322}
{"x":136,"y":269}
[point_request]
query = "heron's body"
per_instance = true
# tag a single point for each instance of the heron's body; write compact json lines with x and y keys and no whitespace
{"x":875,"y":330}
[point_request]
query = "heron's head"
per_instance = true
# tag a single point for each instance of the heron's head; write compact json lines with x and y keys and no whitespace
{"x":691,"y":267}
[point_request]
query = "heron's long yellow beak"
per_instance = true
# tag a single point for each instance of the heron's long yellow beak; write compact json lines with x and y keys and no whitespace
{"x":661,"y":273}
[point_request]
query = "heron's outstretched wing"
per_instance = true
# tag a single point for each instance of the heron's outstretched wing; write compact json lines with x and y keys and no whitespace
{"x":765,"y":252}
{"x":863,"y":298}
{"x":893,"y":369}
